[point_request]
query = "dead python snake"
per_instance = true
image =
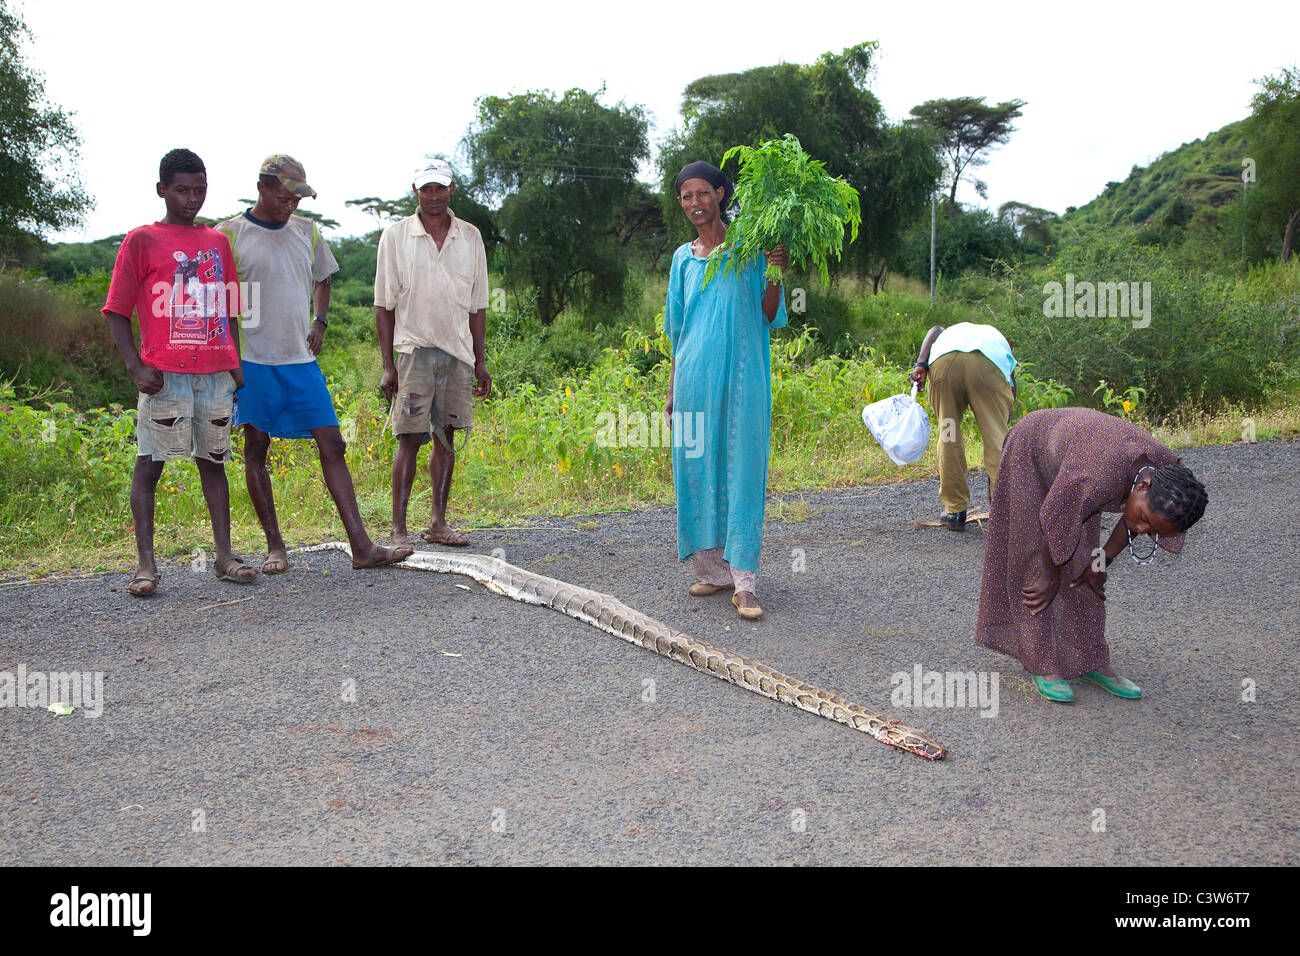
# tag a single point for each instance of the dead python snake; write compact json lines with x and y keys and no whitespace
{"x":616,"y":618}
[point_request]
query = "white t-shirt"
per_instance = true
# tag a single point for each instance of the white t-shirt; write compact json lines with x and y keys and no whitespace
{"x":284,"y":262}
{"x":432,"y":291}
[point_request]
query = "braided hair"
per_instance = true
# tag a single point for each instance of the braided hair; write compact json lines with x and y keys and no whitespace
{"x":1177,"y":496}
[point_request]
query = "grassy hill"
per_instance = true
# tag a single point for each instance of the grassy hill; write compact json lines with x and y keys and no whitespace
{"x":1186,"y":187}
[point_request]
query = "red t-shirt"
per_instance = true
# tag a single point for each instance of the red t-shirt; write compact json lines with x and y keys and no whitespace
{"x":181,"y":282}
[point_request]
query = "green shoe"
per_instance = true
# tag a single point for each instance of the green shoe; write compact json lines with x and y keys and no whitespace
{"x":1056,"y":690}
{"x":1119,"y":686}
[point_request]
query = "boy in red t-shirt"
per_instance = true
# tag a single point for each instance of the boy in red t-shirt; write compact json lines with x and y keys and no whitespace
{"x":180,"y":280}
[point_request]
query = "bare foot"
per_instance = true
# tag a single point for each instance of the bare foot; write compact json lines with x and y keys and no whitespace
{"x":381,"y":556}
{"x":1108,"y":671}
{"x":399,"y":539}
{"x":1051,"y":677}
{"x":277,"y":561}
{"x":441,"y":533}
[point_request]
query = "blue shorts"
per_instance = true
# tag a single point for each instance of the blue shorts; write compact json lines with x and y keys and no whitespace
{"x":285,"y":401}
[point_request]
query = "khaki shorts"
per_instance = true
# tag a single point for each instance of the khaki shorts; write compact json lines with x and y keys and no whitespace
{"x":434,"y":390}
{"x":189,"y":418}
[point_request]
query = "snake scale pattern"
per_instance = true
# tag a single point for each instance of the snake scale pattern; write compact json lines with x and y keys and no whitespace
{"x":614,"y":617}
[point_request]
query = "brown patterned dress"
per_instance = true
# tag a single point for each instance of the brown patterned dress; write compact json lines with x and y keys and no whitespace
{"x":1061,"y":468}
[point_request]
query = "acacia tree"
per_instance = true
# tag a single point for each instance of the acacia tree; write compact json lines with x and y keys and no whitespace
{"x":1274,"y":131}
{"x":39,"y":186}
{"x":828,"y":105}
{"x":967,"y":129}
{"x":564,"y":171}
{"x":466,"y":203}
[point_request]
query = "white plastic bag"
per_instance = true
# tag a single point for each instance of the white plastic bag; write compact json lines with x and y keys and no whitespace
{"x":900,"y":425}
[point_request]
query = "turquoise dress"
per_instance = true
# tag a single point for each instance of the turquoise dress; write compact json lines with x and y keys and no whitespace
{"x":724,"y":384}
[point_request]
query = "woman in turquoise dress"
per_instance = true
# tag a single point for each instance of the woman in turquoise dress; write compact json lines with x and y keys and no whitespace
{"x":720,"y":396}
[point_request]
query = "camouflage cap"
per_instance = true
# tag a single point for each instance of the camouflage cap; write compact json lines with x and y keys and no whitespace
{"x":290,"y":173}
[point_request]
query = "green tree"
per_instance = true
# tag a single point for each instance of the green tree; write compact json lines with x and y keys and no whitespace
{"x":1274,"y":132}
{"x":39,"y":186}
{"x":640,"y":226}
{"x":1032,"y":224}
{"x":828,"y":105}
{"x":968,"y":128}
{"x":564,"y":171}
{"x":384,"y":211}
{"x":967,"y":240}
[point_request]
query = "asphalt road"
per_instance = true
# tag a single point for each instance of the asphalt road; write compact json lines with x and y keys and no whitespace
{"x":484,"y":731}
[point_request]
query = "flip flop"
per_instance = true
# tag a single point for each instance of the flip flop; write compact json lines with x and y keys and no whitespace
{"x":282,"y":565}
{"x":391,"y":556}
{"x":232,"y":563}
{"x":144,"y":583}
{"x":451,"y":538}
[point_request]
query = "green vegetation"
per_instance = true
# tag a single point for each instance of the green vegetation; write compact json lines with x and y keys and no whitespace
{"x":542,"y":444}
{"x":787,"y":198}
{"x":559,"y":214}
{"x":1188,"y":189}
{"x":829,"y":107}
{"x":1273,"y":210}
{"x":39,"y":186}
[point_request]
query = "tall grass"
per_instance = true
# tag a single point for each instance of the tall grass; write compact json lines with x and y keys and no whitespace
{"x":54,"y":336}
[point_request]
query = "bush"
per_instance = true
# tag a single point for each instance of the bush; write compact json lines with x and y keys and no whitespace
{"x":55,"y":339}
{"x":1212,"y":339}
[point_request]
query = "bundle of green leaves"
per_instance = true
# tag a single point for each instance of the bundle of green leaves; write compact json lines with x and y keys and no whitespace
{"x":786,"y":198}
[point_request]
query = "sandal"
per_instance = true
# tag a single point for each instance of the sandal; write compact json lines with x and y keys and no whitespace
{"x":144,"y":583}
{"x":274,"y":564}
{"x":228,"y":570}
{"x":449,"y":537}
{"x":389,"y":556}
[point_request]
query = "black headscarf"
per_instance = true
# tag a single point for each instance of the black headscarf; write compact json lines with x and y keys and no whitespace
{"x":710,"y":174}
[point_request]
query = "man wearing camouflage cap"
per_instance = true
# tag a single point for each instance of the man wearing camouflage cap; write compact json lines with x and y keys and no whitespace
{"x":288,"y":265}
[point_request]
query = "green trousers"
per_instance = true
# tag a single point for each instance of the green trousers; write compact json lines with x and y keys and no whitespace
{"x":957,"y":381}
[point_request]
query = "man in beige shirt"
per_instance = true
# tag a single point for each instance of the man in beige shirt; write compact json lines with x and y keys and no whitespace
{"x":431,"y":299}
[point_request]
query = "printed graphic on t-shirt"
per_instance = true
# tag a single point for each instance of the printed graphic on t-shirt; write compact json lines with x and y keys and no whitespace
{"x":198,"y":295}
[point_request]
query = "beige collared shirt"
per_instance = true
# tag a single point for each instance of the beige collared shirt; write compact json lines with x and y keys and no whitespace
{"x":432,"y":291}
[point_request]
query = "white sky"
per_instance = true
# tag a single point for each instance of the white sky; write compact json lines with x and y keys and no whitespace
{"x":361,"y":92}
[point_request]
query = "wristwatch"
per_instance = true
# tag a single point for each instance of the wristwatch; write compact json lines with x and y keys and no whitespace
{"x":321,"y":320}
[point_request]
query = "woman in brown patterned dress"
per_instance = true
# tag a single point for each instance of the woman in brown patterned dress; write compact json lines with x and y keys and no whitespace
{"x":1061,"y":468}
